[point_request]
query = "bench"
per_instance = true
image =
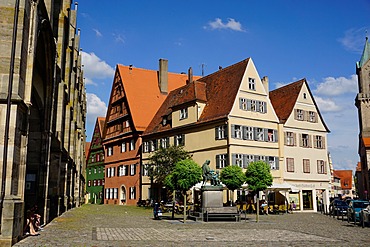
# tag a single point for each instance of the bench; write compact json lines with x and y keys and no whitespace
{"x":224,"y":213}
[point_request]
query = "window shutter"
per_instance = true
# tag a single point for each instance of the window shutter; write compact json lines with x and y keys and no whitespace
{"x":300,"y":140}
{"x":314,"y":141}
{"x":232,"y":131}
{"x":244,"y":128}
{"x":309,"y":141}
{"x":226,"y":131}
{"x":295,"y":114}
{"x":240,"y":103}
{"x":233,"y":159}
{"x":183,"y":139}
{"x":316,"y":117}
{"x":255,"y":133}
{"x":265,"y":135}
{"x":218,"y":161}
{"x":264,"y":107}
{"x":277,"y":163}
{"x":285,"y":138}
{"x":323,"y":142}
{"x":325,"y":169}
{"x":294,"y":139}
{"x":216,"y":133}
{"x":275,"y":136}
{"x":305,"y":115}
{"x":245,"y":161}
{"x":249,"y":104}
{"x":127,"y":170}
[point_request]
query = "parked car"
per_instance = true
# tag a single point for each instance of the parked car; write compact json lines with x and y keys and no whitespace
{"x":338,"y":207}
{"x":365,"y":216}
{"x":354,"y":210}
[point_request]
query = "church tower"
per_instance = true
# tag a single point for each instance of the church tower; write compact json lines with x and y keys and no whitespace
{"x":363,"y":106}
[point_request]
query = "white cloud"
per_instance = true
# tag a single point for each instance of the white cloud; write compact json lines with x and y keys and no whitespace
{"x":88,"y":81}
{"x":118,"y":38}
{"x":230,"y":24}
{"x":97,"y":32}
{"x":337,"y":86}
{"x":354,"y":39}
{"x":327,"y":105}
{"x":95,"y":108}
{"x":95,"y":68}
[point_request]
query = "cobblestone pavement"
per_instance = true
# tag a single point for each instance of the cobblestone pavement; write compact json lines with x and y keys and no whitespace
{"x":112,"y":225}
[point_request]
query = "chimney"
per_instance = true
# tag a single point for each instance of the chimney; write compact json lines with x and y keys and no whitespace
{"x":163,"y":75}
{"x":265,"y":83}
{"x":190,"y":75}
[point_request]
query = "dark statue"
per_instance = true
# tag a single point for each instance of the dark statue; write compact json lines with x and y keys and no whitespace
{"x":210,"y":175}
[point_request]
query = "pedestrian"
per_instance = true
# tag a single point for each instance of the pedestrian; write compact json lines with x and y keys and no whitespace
{"x":29,"y":228}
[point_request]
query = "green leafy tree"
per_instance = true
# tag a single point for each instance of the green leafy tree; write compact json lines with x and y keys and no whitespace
{"x":185,"y":175}
{"x":258,"y":178}
{"x":233,"y":177}
{"x":164,"y":159}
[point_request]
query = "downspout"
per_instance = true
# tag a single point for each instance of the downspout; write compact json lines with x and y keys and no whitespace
{"x":8,"y":109}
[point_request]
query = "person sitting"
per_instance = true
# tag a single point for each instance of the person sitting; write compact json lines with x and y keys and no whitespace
{"x":36,"y":218}
{"x":29,"y":228}
{"x":264,"y":207}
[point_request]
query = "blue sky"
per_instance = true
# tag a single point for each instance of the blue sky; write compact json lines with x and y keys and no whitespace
{"x":287,"y":40}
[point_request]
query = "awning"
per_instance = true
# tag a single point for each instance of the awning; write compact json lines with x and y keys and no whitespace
{"x":282,"y":187}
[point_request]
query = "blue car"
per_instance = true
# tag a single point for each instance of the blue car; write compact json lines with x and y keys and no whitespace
{"x":338,"y":207}
{"x":354,"y":210}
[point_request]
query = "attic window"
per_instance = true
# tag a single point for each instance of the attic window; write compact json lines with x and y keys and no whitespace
{"x":304,"y":95}
{"x":183,"y":113}
{"x":164,"y":120}
{"x":252,"y":84}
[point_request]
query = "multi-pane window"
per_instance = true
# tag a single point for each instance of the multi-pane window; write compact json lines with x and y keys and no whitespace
{"x":319,"y":142}
{"x":107,"y":193}
{"x":221,"y":161}
{"x":252,"y":84}
{"x":253,"y":105}
{"x":243,"y":104}
{"x":94,"y":182}
{"x":221,"y":132}
{"x":115,"y":193}
{"x":89,"y":171}
{"x":108,"y":172}
{"x":290,"y":164}
{"x":111,"y":193}
{"x":248,"y":133}
{"x":165,"y":142}
{"x":183,"y":113}
{"x":153,"y":145}
{"x":260,"y":134}
{"x":98,"y":182}
{"x":306,"y":165}
{"x":132,"y":144}
{"x":321,"y":167}
{"x":123,"y":147}
{"x":248,"y":159}
{"x":132,"y":193}
{"x":180,"y":140}
{"x":92,"y":158}
{"x":273,"y":162}
{"x":132,"y":169}
{"x":146,"y":147}
{"x":271,"y":135}
{"x":261,"y":106}
{"x":312,"y":117}
{"x":89,"y":183}
{"x":94,"y":170}
{"x":299,"y":114}
{"x":238,"y":133}
{"x":305,"y":140}
{"x":290,"y":139}
{"x":146,"y":170}
{"x":110,"y":151}
{"x":238,"y":160}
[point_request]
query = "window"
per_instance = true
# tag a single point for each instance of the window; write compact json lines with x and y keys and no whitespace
{"x":253,"y":105}
{"x":123,"y":147}
{"x":89,"y":183}
{"x":98,"y":182}
{"x":94,"y":170}
{"x":259,"y":134}
{"x":319,"y":142}
{"x":273,"y":162}
{"x":99,"y":170}
{"x":132,"y":193}
{"x":110,"y":151}
{"x":132,"y":169}
{"x":153,"y":145}
{"x":271,"y":135}
{"x":290,"y":164}
{"x":115,"y":196}
{"x":164,"y":121}
{"x":97,"y":157}
{"x":248,"y":159}
{"x":299,"y":114}
{"x":111,"y":193}
{"x":108,"y":172}
{"x":89,"y":171}
{"x":312,"y":117}
{"x":305,"y":141}
{"x":306,"y":165}
{"x":221,"y":132}
{"x":127,"y":124}
{"x":107,"y":193}
{"x":261,"y":106}
{"x":243,"y":104}
{"x":321,"y":167}
{"x":237,"y":131}
{"x":146,"y":170}
{"x":289,"y":138}
{"x":113,"y":171}
{"x":146,"y":147}
{"x":180,"y":140}
{"x":132,"y":145}
{"x":248,"y":133}
{"x":92,"y":158}
{"x":165,"y":142}
{"x":237,"y":160}
{"x":94,"y":182}
{"x":183,"y":113}
{"x":304,"y":96}
{"x":221,"y":161}
{"x":252,"y":84}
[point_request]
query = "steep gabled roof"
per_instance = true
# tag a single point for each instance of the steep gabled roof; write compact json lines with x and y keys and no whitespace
{"x":87,"y":150}
{"x":143,"y":93}
{"x":284,"y":98}
{"x":218,"y":91}
{"x":345,"y":178}
{"x":101,"y":123}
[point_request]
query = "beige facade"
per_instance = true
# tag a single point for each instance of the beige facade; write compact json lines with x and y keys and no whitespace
{"x":45,"y":157}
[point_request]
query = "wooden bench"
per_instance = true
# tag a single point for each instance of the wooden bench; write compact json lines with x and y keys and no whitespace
{"x":224,"y":213}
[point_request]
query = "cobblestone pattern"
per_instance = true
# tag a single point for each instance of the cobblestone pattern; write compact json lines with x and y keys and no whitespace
{"x":110,"y":225}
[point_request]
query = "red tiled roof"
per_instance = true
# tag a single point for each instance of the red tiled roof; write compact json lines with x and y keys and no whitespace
{"x":143,"y":93}
{"x":345,"y":178}
{"x":366,"y":141}
{"x":212,"y":90}
{"x":101,"y":122}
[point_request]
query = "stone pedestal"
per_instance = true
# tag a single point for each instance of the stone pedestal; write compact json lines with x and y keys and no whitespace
{"x":212,"y":196}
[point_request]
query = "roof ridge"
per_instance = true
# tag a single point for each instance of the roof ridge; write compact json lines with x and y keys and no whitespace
{"x":226,"y":68}
{"x":144,"y":69}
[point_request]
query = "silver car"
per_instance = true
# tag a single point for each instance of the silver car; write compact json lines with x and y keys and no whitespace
{"x":365,"y":216}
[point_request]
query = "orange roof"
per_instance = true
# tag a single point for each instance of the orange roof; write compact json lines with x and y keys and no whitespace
{"x":212,"y":90}
{"x":101,"y":123}
{"x":143,"y":93}
{"x":284,"y":98}
{"x":358,"y":167}
{"x":366,"y":141}
{"x":345,"y":178}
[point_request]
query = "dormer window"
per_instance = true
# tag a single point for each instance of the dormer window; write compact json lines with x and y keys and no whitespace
{"x":164,"y":120}
{"x":183,"y":113}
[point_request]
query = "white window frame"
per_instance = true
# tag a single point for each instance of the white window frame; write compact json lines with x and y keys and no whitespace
{"x":132,"y":144}
{"x":111,"y":193}
{"x":260,"y":134}
{"x":164,"y":142}
{"x":290,"y":139}
{"x":272,"y":162}
{"x":249,"y":133}
{"x":123,"y":147}
{"x":221,"y":132}
{"x":239,"y":160}
{"x":132,"y":169}
{"x":300,"y":114}
{"x":252,"y":83}
{"x":183,"y":113}
{"x":238,"y":131}
{"x":312,"y":116}
{"x":243,"y":104}
{"x":321,"y":167}
{"x":108,"y":172}
{"x":254,"y":105}
{"x":132,"y":193}
{"x":145,"y":170}
{"x":146,"y":147}
{"x":319,"y":140}
{"x":271,"y":135}
{"x":179,"y":140}
{"x":305,"y":141}
{"x":110,"y":151}
{"x":248,"y":159}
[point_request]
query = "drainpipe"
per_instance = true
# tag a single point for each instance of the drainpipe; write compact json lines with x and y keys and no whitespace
{"x":8,"y":108}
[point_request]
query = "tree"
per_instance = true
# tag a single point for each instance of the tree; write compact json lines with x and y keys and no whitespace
{"x":164,"y":160}
{"x":185,"y":175}
{"x":233,"y":177}
{"x":258,"y":178}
